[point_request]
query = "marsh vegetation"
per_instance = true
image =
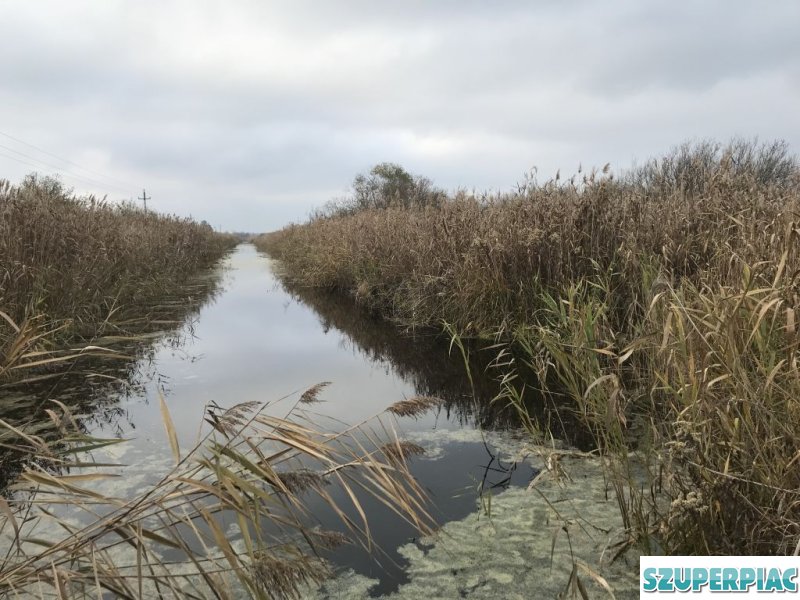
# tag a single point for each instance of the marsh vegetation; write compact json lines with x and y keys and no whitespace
{"x":88,"y":446}
{"x":228,"y":519}
{"x":660,"y":303}
{"x":73,"y":269}
{"x":88,"y":288}
{"x":640,"y":327}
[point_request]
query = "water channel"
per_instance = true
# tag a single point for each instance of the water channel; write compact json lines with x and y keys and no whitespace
{"x":254,"y":340}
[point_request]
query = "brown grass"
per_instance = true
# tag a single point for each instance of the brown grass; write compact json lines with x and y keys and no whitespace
{"x":414,"y":407}
{"x":481,"y":262}
{"x":228,"y":520}
{"x":71,"y":268}
{"x":662,"y":303}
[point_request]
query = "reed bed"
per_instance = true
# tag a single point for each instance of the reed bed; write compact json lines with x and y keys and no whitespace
{"x":82,"y":276}
{"x":661,"y":303}
{"x":72,"y":268}
{"x":479,"y":262}
{"x":228,"y":520}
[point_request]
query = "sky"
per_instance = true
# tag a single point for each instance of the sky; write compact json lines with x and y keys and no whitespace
{"x":248,"y":114}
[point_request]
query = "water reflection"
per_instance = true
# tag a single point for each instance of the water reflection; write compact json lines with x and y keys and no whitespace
{"x":95,"y":388}
{"x":422,"y":358}
{"x":460,"y":468}
{"x":455,"y":479}
{"x":259,"y":341}
{"x":426,"y":360}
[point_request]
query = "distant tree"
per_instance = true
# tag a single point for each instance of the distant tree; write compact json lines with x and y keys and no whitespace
{"x":385,"y":185}
{"x":49,"y":185}
{"x":388,"y":184}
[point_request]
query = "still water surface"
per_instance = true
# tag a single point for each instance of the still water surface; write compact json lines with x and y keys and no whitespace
{"x":259,"y":341}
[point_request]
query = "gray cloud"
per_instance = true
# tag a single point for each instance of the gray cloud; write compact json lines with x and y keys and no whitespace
{"x":250,"y":113}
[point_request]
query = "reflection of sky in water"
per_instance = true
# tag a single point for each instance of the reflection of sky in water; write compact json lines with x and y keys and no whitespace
{"x":256,"y":342}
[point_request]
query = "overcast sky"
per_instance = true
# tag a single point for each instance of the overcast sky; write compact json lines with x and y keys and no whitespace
{"x":247,"y":114}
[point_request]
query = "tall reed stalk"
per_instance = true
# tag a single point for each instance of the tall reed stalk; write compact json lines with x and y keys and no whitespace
{"x":661,"y":304}
{"x":228,"y":520}
{"x":74,"y":268}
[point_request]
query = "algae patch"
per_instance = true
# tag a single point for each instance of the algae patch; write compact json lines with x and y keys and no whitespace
{"x":504,"y":548}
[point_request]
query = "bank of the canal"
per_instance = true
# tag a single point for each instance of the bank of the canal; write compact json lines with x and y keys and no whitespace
{"x":257,"y":341}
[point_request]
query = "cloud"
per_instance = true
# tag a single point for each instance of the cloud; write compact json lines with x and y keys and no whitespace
{"x":250,"y":113}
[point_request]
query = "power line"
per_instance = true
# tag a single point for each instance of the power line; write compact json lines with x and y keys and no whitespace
{"x":52,"y":166}
{"x":108,"y":178}
{"x":66,"y":160}
{"x":24,"y":162}
{"x":35,"y":166}
{"x":93,"y":182}
{"x":39,"y":164}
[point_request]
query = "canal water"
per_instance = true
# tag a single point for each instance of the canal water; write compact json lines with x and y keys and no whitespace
{"x":256,"y":340}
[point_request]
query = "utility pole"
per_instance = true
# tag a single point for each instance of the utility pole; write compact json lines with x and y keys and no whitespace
{"x":144,"y":198}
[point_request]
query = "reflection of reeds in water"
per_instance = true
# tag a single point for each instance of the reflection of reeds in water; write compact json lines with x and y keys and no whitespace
{"x":93,"y":381}
{"x":231,"y":510}
{"x":420,"y":357}
{"x":427,"y":361}
{"x":661,"y":305}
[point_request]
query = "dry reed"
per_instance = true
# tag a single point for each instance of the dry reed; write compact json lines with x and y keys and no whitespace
{"x":414,"y":407}
{"x":227,"y":519}
{"x":661,"y":303}
{"x":71,"y":268}
{"x":311,"y":395}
